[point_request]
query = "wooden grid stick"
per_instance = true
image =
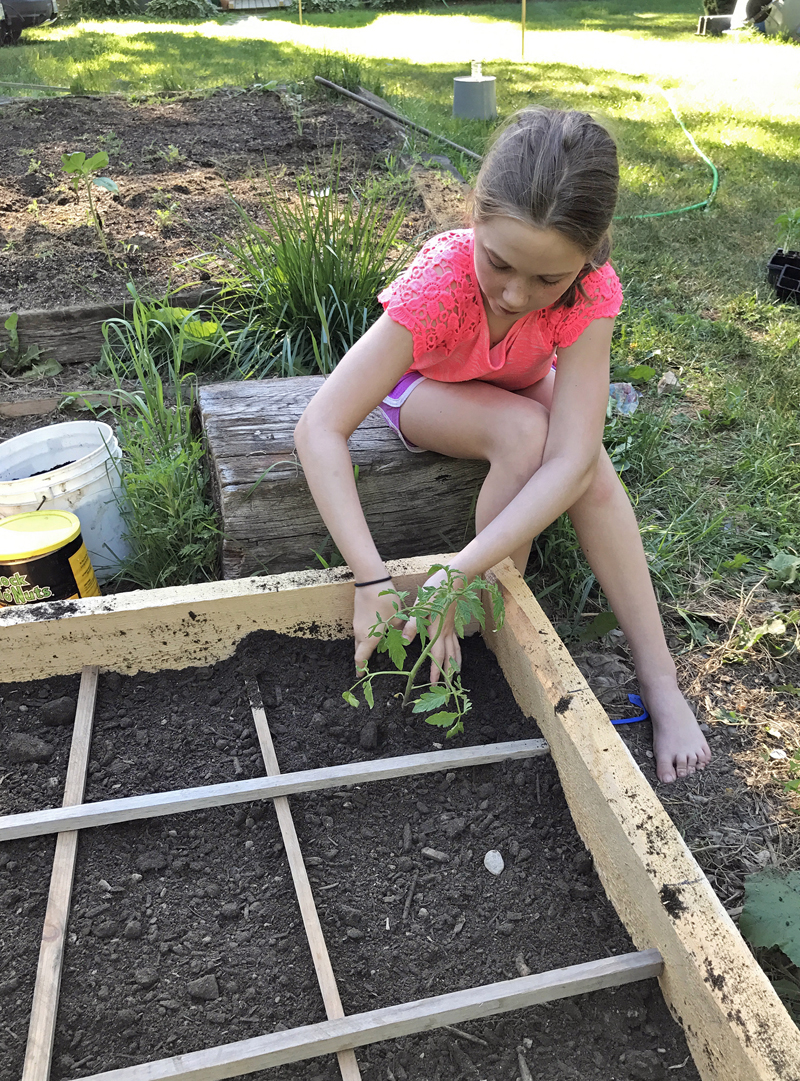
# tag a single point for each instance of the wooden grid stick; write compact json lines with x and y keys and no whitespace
{"x":348,"y":1065}
{"x":392,"y":1022}
{"x":153,"y":804}
{"x":39,"y":1049}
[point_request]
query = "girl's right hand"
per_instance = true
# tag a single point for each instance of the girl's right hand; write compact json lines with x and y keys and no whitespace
{"x":368,"y":602}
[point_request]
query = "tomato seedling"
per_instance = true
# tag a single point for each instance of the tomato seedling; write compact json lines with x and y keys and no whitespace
{"x":445,"y":702}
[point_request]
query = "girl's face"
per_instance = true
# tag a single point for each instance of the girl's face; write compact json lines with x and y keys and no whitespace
{"x":522,"y":269}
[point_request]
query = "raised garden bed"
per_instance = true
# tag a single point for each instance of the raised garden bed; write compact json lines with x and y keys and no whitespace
{"x":214,"y":880}
{"x":179,"y":163}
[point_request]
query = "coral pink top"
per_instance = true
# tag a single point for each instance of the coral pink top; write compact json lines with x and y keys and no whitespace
{"x":438,"y":299}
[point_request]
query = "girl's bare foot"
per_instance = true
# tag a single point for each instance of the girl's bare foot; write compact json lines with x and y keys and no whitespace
{"x":679,"y":746}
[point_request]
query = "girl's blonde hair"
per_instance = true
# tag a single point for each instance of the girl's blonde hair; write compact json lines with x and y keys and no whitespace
{"x":553,"y":170}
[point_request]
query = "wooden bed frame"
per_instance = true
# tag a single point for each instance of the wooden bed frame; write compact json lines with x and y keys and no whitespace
{"x":736,"y":1027}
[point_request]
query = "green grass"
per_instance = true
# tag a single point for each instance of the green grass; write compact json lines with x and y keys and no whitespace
{"x":715,"y":470}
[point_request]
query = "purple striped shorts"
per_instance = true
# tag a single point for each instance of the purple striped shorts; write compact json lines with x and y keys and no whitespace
{"x":390,"y":406}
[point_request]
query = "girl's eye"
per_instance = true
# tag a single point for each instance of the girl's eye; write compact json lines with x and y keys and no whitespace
{"x":496,"y":266}
{"x":551,"y":281}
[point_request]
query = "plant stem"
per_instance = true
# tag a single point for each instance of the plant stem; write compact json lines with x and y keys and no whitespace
{"x":96,"y":221}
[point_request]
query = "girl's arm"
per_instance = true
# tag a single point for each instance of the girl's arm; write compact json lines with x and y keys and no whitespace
{"x":363,"y":377}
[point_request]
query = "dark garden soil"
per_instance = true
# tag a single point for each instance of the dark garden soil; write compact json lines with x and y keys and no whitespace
{"x":179,"y":164}
{"x":184,"y":932}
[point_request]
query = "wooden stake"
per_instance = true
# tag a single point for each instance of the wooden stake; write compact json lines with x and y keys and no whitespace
{"x":392,"y":1022}
{"x":154,"y":804}
{"x":39,"y":1049}
{"x":523,"y":28}
{"x":348,"y":1065}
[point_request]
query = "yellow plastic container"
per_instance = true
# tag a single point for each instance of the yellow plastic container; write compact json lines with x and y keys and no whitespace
{"x":43,"y":558}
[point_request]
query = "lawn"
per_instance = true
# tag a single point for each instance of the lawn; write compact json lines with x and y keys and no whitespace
{"x":714,"y":471}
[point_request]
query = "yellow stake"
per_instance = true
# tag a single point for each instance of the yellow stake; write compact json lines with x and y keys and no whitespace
{"x":523,"y":29}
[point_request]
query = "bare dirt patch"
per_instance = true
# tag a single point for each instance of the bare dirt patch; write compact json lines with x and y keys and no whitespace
{"x":179,"y":164}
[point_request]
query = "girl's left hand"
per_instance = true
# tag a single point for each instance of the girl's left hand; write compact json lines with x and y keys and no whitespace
{"x":447,"y":647}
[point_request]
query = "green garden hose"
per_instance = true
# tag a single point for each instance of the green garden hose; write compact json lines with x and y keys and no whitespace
{"x":706,"y":203}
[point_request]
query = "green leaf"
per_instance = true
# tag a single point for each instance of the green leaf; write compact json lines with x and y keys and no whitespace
{"x":350,"y":698}
{"x":736,"y":563}
{"x":429,"y":700}
{"x":396,"y":646}
{"x":637,"y":373}
{"x":369,"y":697}
{"x":11,"y":323}
{"x":96,"y":161}
{"x":441,"y":720}
{"x":105,"y":182}
{"x":771,"y":913}
{"x":599,"y":626}
{"x":43,"y":370}
{"x":73,"y":163}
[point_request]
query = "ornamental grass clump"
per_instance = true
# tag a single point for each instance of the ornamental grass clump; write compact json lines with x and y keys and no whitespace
{"x":171,"y":526}
{"x":306,"y":284}
{"x":445,"y":702}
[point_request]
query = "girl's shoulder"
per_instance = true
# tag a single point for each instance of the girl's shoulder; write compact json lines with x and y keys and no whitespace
{"x":442,"y":259}
{"x":437,"y":297}
{"x":602,"y":300}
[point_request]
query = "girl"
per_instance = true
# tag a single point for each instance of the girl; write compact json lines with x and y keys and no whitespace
{"x":462,"y":362}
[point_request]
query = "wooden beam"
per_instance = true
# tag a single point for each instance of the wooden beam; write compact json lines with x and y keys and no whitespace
{"x":348,"y":1065}
{"x":39,"y":1049}
{"x":736,"y":1027}
{"x":154,"y":804}
{"x":180,"y":626}
{"x":392,"y":1022}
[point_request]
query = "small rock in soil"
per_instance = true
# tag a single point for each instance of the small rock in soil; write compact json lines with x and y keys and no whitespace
{"x":205,"y":988}
{"x":437,"y":856}
{"x":107,"y":929}
{"x":146,"y":977}
{"x":59,"y":711}
{"x":582,"y":863}
{"x":24,"y":748}
{"x":493,"y":862}
{"x":229,"y":911}
{"x":354,"y":933}
{"x":368,"y":740}
{"x":151,"y":861}
{"x":644,"y":1066}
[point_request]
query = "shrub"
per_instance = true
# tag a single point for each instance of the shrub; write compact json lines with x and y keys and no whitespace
{"x":182,"y":9}
{"x":101,"y":9}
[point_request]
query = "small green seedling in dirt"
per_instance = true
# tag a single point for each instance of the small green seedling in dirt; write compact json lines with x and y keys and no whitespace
{"x":789,"y":225}
{"x":28,"y":363}
{"x":431,"y":604}
{"x":79,"y":169}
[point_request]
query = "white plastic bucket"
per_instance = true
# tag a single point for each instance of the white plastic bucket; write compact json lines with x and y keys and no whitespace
{"x":76,"y":467}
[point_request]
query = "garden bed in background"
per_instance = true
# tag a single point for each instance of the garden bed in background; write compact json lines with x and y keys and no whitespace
{"x":179,"y":164}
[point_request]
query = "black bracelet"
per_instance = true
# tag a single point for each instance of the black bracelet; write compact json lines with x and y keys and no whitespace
{"x":374,"y":582}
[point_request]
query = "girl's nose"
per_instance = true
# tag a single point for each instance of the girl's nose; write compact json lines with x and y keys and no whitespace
{"x":514,"y":296}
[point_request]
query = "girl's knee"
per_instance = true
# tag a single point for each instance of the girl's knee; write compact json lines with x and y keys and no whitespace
{"x":519,"y":443}
{"x":604,"y":483}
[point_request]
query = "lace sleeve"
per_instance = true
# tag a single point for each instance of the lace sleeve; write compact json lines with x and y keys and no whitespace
{"x":605,"y":300}
{"x":436,"y":297}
